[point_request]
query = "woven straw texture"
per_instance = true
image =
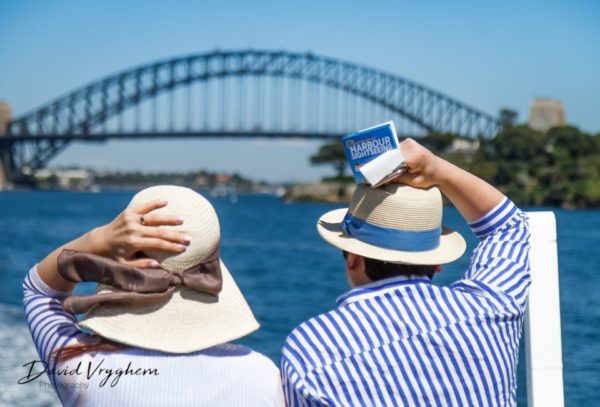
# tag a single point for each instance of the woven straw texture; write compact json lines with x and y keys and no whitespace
{"x":399,"y":207}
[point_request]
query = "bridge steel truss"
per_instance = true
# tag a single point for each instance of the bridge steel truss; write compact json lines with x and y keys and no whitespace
{"x":33,"y":139}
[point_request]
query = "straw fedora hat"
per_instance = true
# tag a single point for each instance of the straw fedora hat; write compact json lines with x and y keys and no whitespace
{"x":395,"y":223}
{"x":189,"y":320}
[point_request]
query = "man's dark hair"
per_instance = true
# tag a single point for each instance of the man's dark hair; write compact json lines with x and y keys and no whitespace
{"x":378,"y":269}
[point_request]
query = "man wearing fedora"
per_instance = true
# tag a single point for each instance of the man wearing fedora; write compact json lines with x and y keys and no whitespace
{"x":396,"y":339}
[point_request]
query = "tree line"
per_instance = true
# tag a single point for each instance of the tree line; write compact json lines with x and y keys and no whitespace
{"x":560,"y":167}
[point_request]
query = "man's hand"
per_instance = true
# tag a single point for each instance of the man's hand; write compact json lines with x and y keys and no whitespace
{"x":471,"y":195}
{"x":422,"y":165}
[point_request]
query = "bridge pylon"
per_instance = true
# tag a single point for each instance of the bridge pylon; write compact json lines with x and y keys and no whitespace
{"x":5,"y":149}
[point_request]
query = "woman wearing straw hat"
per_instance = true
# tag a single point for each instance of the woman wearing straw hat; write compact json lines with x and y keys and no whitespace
{"x":397,"y":339}
{"x":157,"y":331}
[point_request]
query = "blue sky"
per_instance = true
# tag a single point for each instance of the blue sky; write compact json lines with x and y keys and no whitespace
{"x":487,"y":54}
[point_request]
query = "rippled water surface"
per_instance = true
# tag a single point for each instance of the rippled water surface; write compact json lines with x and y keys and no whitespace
{"x":286,"y":272}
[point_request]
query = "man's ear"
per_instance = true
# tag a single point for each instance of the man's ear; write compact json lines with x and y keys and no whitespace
{"x":355,"y":270}
{"x":353,"y":261}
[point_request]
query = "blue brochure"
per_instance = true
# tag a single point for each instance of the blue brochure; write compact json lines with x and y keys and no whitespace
{"x":368,"y":144}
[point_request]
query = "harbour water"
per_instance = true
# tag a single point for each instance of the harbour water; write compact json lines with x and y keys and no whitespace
{"x":285,"y":270}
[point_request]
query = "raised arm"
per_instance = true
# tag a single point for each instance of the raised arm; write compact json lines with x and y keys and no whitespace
{"x":120,"y":240}
{"x":471,"y":195}
{"x":500,"y":263}
{"x":44,"y":289}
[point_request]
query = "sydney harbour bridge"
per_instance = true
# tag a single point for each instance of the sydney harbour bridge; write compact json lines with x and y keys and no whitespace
{"x":248,"y":93}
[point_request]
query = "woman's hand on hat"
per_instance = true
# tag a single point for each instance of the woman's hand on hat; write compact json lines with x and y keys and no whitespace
{"x":422,"y":166}
{"x":135,"y":230}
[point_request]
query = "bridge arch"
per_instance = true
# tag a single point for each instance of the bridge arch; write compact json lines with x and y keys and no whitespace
{"x":38,"y":136}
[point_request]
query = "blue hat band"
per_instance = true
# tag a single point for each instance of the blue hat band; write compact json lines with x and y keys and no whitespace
{"x":394,"y":239}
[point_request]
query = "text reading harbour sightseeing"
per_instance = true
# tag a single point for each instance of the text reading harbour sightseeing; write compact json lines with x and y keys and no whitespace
{"x":368,"y":147}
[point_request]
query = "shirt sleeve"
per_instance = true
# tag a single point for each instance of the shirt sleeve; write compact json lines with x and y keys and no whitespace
{"x":295,"y":388}
{"x":501,"y":260}
{"x":51,"y":326}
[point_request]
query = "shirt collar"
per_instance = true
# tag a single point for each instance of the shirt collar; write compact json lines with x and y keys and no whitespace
{"x":379,"y":287}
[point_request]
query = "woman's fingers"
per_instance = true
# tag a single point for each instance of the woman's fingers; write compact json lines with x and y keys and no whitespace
{"x":140,"y":231}
{"x":160,"y":244}
{"x":166,"y":234}
{"x":146,"y":207}
{"x":156,"y":219}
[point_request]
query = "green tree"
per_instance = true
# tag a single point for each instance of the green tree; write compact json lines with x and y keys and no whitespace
{"x":577,"y":144}
{"x":558,"y":168}
{"x":438,"y":142}
{"x":332,"y":154}
{"x":518,"y":143}
{"x":507,"y":117}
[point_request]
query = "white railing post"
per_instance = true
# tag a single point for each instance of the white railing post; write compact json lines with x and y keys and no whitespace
{"x":542,"y":322}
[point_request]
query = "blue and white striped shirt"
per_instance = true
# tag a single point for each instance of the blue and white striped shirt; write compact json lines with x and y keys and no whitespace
{"x":403,"y":341}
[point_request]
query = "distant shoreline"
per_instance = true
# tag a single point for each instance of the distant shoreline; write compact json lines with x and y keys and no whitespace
{"x":317,"y":192}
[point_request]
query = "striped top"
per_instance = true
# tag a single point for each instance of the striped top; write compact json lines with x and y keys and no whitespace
{"x":403,"y":341}
{"x":224,"y":375}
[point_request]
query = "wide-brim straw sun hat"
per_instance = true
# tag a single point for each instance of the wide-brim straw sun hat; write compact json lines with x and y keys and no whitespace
{"x":189,"y":320}
{"x":394,"y":223}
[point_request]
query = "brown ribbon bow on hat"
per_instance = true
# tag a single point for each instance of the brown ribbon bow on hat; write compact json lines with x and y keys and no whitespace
{"x":141,"y":287}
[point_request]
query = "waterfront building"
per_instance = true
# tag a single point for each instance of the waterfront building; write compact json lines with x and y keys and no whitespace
{"x":546,"y":113}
